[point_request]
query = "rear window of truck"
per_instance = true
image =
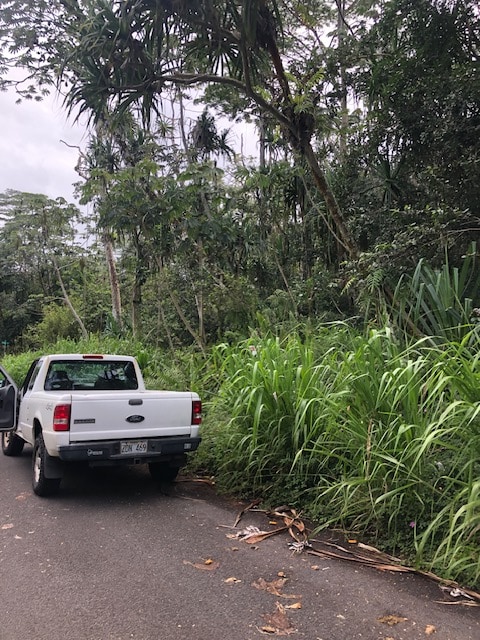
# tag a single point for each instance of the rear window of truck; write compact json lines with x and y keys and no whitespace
{"x":71,"y":375}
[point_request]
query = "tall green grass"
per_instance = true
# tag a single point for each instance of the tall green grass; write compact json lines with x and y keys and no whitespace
{"x":360,"y":432}
{"x":357,"y":431}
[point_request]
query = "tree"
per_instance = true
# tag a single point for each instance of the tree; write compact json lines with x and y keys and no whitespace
{"x":422,"y":90}
{"x":131,"y":53}
{"x":41,"y":236}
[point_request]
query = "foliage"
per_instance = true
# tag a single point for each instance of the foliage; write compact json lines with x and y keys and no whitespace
{"x":57,"y":322}
{"x":360,"y":432}
{"x":363,"y":205}
{"x":440,"y":303}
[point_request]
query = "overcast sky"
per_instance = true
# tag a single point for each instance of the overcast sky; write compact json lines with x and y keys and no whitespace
{"x":32,"y":156}
{"x":34,"y":159}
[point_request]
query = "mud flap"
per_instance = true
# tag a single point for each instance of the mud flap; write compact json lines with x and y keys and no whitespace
{"x":53,"y":467}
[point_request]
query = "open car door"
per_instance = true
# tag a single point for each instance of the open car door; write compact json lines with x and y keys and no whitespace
{"x":8,"y":401}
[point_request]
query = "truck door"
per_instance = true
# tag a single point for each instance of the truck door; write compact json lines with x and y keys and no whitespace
{"x":8,"y":401}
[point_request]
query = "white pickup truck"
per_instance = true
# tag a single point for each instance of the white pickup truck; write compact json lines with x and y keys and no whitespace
{"x":95,"y":409}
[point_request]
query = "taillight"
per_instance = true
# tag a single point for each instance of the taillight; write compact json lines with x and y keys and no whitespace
{"x":196,"y":411}
{"x":61,"y":417}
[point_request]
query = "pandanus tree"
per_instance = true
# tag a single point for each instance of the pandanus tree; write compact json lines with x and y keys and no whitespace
{"x":121,"y":54}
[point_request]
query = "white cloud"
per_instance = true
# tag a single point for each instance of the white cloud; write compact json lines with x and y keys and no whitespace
{"x":32,"y":156}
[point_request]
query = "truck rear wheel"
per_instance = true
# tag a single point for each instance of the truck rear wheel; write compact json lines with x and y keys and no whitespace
{"x":162,"y":472}
{"x":42,"y":485}
{"x":12,"y":445}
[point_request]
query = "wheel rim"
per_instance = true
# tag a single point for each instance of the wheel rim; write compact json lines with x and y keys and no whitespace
{"x":7,"y":436}
{"x":36,"y":466}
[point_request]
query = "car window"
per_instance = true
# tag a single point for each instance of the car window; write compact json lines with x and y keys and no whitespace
{"x":78,"y":375}
{"x":34,"y":375}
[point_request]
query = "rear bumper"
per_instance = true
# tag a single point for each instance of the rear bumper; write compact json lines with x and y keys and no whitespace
{"x":158,"y":449}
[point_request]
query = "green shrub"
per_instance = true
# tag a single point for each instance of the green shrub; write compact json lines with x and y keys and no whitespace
{"x":368,"y":435}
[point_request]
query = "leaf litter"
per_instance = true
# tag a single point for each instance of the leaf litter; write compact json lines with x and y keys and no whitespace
{"x":277,"y":623}
{"x":274,"y":587}
{"x":206,"y":565}
{"x":355,"y":552}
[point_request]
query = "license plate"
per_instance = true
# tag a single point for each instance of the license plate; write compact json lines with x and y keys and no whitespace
{"x":133,"y":446}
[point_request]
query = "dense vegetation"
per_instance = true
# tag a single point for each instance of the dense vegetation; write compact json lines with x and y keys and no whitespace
{"x":319,"y":289}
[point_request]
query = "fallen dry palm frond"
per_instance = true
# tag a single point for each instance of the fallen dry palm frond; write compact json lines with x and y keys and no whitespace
{"x":369,"y":556}
{"x":355,"y":552}
{"x":243,"y":511}
{"x":253,"y":535}
{"x":291,"y":520}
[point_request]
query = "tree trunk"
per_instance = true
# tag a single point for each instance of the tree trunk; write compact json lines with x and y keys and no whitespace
{"x":67,"y":300}
{"x":162,"y":320}
{"x":199,"y":293}
{"x":136,"y":307}
{"x":113,"y":277}
{"x":179,"y":311}
{"x":343,"y":235}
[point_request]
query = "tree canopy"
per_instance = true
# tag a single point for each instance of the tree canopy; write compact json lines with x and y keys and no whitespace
{"x":367,"y":116}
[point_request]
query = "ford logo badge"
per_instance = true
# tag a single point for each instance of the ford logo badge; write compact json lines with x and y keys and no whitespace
{"x":135,"y":419}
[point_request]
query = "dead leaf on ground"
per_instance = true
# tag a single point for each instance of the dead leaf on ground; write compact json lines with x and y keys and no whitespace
{"x":6,"y":526}
{"x":391,"y":620}
{"x":274,"y":587}
{"x":206,"y":565}
{"x":268,"y":629}
{"x":292,"y":522}
{"x":295,"y":605}
{"x":22,"y":496}
{"x":232,"y":580}
{"x":429,"y":629}
{"x":277,"y":622}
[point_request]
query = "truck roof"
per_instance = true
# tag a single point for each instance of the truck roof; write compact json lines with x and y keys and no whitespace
{"x":86,"y":356}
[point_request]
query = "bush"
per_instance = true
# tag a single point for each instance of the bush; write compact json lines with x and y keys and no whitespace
{"x":367,"y":435}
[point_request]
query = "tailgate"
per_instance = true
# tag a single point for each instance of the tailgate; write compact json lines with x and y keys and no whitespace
{"x":109,"y":416}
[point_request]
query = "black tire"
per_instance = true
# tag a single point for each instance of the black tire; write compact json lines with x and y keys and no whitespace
{"x":42,"y":486}
{"x":12,"y":445}
{"x":162,"y":472}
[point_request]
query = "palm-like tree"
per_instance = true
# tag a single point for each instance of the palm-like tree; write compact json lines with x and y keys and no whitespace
{"x":133,"y":52}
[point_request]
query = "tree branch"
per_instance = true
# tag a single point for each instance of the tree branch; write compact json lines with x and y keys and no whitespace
{"x":189,"y":79}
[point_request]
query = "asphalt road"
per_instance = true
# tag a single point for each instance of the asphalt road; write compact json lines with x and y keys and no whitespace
{"x":114,"y":558}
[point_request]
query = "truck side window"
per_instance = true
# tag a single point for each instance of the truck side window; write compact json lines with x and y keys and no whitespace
{"x":26,"y":382}
{"x":34,"y":376}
